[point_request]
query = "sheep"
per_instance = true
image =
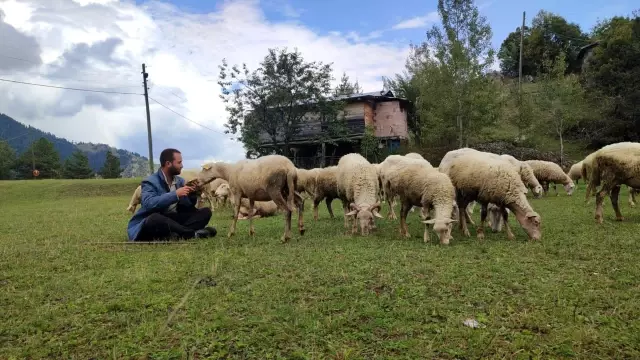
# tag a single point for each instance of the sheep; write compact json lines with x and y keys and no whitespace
{"x":306,"y":181}
{"x":358,"y":186}
{"x":414,"y":156}
{"x":549,"y":172}
{"x":417,"y":185}
{"x":586,"y":170}
{"x":326,"y":187}
{"x":575,"y":172}
{"x":136,"y":199}
{"x":261,"y":208}
{"x":487,"y":179}
{"x":388,"y":171}
{"x":612,"y":167}
{"x":526,"y":174}
{"x":209,"y":192}
{"x":271,"y":177}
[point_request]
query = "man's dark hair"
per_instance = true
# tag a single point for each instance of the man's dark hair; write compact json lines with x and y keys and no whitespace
{"x":167,"y":155}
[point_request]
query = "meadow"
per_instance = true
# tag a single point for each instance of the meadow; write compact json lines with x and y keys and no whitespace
{"x":72,"y":287}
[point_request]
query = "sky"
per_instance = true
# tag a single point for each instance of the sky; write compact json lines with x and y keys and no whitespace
{"x":101,"y":44}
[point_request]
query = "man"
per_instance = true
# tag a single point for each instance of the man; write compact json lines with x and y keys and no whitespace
{"x":167,"y":208}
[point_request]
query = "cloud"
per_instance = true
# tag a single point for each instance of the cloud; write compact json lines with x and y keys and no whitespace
{"x":93,"y":44}
{"x":24,"y":50}
{"x":418,"y":21}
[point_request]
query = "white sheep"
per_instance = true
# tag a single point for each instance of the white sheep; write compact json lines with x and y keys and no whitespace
{"x":575,"y":172}
{"x":486,"y":179}
{"x":326,"y":188}
{"x":417,"y":185}
{"x":136,"y":199}
{"x":358,"y":186}
{"x":388,"y":171}
{"x":209,"y":193}
{"x":549,"y":172}
{"x":526,"y":174}
{"x":261,"y":208}
{"x":271,"y":177}
{"x":414,"y":155}
{"x":306,"y":181}
{"x":612,"y":167}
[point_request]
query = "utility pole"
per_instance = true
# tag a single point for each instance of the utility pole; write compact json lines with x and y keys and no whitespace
{"x":146,"y":100}
{"x":520,"y":63}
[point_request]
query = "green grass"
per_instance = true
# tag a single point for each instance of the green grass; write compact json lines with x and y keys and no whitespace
{"x":323,"y":295}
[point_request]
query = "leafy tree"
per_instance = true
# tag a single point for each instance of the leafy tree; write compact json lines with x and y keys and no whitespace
{"x":111,"y":167}
{"x":452,"y":81}
{"x":7,"y":160}
{"x":77,"y":166}
{"x":522,"y":109}
{"x":346,"y":88}
{"x":369,"y":144}
{"x":44,"y":156}
{"x":561,"y":99}
{"x":274,"y":103}
{"x":549,"y":35}
{"x":611,"y":78}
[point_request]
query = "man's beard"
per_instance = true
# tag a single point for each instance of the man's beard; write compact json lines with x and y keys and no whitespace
{"x":173,"y":171}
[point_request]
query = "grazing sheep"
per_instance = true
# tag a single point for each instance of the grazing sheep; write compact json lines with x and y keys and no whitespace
{"x":612,"y":167}
{"x":389,"y":170}
{"x":326,"y":187}
{"x":549,"y":172}
{"x":358,"y":186}
{"x":136,"y":199}
{"x":417,"y":185}
{"x":585,"y":170}
{"x":526,"y":174}
{"x":306,"y":181}
{"x":209,"y":192}
{"x":486,"y":179}
{"x":575,"y":172}
{"x":271,"y":177}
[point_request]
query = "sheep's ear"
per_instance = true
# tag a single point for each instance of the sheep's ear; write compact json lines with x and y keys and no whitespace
{"x":377,"y":214}
{"x":350,"y":213}
{"x":206,"y":166}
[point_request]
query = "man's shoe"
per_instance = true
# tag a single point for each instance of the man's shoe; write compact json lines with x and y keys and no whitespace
{"x":209,"y":231}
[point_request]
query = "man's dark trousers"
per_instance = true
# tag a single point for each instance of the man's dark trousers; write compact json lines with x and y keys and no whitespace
{"x":184,"y":224}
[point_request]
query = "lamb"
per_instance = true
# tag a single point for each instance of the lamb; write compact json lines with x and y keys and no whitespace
{"x":136,"y":199}
{"x":549,"y":172}
{"x":417,"y":185}
{"x":388,"y":171}
{"x":358,"y":186}
{"x":326,"y":187}
{"x":487,"y":179}
{"x":271,"y":177}
{"x":209,"y":192}
{"x":261,"y":209}
{"x":612,"y":167}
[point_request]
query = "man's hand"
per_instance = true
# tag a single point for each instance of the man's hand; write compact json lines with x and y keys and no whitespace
{"x":184,"y":191}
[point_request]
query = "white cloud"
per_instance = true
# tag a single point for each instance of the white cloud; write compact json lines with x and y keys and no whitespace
{"x":102,"y":44}
{"x":418,"y":21}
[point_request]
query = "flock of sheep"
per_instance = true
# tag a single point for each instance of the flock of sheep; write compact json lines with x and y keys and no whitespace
{"x":446,"y":194}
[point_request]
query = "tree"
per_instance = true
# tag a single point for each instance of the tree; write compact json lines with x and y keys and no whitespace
{"x":611,"y":77}
{"x":369,"y":144}
{"x":111,"y":167}
{"x":561,"y":99}
{"x":7,"y":161}
{"x":44,"y":156}
{"x":77,"y":166}
{"x":523,"y":109}
{"x":453,"y":81}
{"x":346,"y":88}
{"x":549,"y":35}
{"x":274,"y":103}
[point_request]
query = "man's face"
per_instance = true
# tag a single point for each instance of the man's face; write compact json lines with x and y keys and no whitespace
{"x":176,"y":165}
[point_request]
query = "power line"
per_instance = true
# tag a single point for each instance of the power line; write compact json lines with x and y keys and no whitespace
{"x":15,"y":137}
{"x":69,"y":88}
{"x":184,"y":117}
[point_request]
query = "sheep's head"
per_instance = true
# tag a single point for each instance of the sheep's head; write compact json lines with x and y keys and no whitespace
{"x":530,"y":222}
{"x":222,"y":191}
{"x":365,"y":215}
{"x":537,"y":190}
{"x":442,"y":227}
{"x":569,"y":187}
{"x":208,"y":173}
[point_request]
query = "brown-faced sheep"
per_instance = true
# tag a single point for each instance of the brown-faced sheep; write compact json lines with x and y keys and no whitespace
{"x":271,"y":177}
{"x":358,"y":186}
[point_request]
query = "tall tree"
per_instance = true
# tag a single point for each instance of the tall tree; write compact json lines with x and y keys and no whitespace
{"x":77,"y":166}
{"x":561,"y":99}
{"x":455,"y":80}
{"x":43,"y":154}
{"x":7,"y":161}
{"x":611,"y":77}
{"x":522,"y":111}
{"x":111,"y":167}
{"x":346,"y":88}
{"x":273,"y":104}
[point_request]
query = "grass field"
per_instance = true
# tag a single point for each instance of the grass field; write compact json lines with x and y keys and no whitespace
{"x":67,"y":291}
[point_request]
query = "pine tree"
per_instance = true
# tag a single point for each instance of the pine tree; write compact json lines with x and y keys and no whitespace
{"x":77,"y":166}
{"x":46,"y":158}
{"x":111,"y":168}
{"x":7,"y":161}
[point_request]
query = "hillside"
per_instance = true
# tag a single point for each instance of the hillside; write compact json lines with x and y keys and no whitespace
{"x":20,"y":136}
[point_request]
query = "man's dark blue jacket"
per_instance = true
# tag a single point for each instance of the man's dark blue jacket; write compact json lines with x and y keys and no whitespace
{"x":156,"y":197}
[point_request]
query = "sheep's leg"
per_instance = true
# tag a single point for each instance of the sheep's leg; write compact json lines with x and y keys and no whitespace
{"x":425,"y":235}
{"x":328,"y":201}
{"x":316,"y":203}
{"x":236,"y":214}
{"x":354,"y":226}
{"x":252,"y":211}
{"x":300,"y":207}
{"x":462,"y":206}
{"x":505,"y":220}
{"x":599,"y":201}
{"x":615,"y":192}
{"x":632,"y":197}
{"x":483,"y":219}
{"x":404,"y":231}
{"x":391,"y":201}
{"x":555,"y":189}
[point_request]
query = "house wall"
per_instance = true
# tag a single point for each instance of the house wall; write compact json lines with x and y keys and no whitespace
{"x":354,"y":111}
{"x":390,"y":120}
{"x":368,"y":115}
